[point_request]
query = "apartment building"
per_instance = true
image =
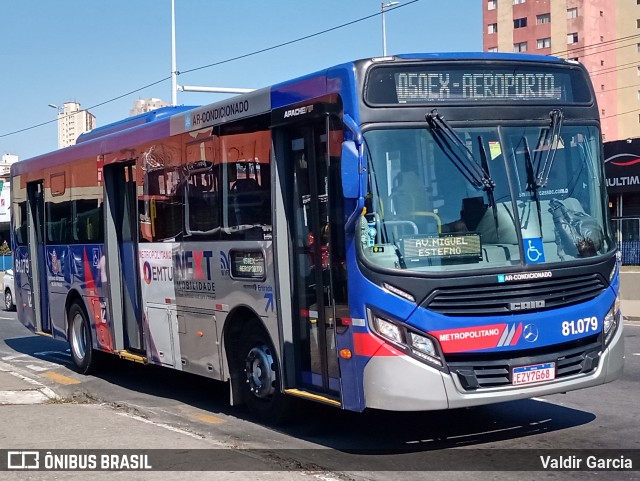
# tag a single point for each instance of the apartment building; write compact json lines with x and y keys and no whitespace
{"x":5,"y":165}
{"x":73,"y":121}
{"x":142,"y":106}
{"x":604,"y":35}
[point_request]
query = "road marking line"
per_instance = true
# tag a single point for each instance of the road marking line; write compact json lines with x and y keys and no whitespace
{"x":8,"y":318}
{"x":636,"y":354}
{"x":10,"y":358}
{"x":207,"y":418}
{"x":324,"y":477}
{"x":170,"y":428}
{"x":60,"y":378}
{"x":33,"y":367}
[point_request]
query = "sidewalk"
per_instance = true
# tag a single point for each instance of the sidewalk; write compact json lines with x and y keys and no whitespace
{"x":630,"y":293}
{"x":33,"y":418}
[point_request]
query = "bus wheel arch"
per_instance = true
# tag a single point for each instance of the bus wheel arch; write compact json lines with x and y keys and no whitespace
{"x":254,"y":366}
{"x":72,"y":297}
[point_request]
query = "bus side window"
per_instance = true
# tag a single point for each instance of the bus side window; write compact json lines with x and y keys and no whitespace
{"x":56,"y":231}
{"x":87,"y":221}
{"x":246,"y":182}
{"x":202,"y":202}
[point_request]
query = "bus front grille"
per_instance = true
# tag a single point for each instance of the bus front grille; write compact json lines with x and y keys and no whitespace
{"x":508,"y":298}
{"x":494,"y":373}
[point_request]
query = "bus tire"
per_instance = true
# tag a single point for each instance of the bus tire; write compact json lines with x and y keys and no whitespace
{"x":80,"y":339}
{"x":260,"y":377}
{"x":8,"y":300}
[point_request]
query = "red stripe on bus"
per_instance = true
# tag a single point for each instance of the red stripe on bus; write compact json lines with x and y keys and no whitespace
{"x":369,"y":345}
{"x":516,"y":336}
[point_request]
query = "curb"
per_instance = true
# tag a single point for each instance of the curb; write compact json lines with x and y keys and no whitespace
{"x":25,"y":390}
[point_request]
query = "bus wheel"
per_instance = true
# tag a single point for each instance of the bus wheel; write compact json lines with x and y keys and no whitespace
{"x":8,"y":300}
{"x":261,"y":377}
{"x":80,"y":339}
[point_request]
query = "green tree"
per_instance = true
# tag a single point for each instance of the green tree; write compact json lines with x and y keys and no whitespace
{"x":5,"y":250}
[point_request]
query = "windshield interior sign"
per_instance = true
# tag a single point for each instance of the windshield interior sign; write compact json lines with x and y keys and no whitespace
{"x":447,"y":246}
{"x":247,"y":264}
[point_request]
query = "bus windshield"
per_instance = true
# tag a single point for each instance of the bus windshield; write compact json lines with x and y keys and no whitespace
{"x":442,"y":198}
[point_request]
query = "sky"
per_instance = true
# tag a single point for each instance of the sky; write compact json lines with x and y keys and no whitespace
{"x":91,"y":52}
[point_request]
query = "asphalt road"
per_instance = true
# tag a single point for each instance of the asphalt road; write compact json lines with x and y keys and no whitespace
{"x":604,"y":417}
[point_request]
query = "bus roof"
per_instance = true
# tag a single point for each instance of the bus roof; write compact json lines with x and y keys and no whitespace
{"x":496,"y":56}
{"x":129,"y":122}
{"x":159,"y":123}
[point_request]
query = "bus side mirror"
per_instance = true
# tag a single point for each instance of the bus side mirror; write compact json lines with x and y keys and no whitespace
{"x":350,"y":165}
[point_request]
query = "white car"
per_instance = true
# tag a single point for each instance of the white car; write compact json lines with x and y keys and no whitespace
{"x":8,"y":286}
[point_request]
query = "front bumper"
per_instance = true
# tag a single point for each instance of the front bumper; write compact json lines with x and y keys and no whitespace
{"x":401,"y":383}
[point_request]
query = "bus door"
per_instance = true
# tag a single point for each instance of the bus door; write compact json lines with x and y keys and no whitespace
{"x":121,"y":251}
{"x":37,"y":272}
{"x":304,"y":171}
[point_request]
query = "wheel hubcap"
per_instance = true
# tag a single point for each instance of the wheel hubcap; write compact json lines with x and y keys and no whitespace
{"x":78,"y":337}
{"x":260,"y":374}
{"x":7,"y":299}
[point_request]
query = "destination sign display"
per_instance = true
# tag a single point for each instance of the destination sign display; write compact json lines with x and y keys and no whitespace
{"x":247,"y":264}
{"x":442,"y":246}
{"x":447,"y":82}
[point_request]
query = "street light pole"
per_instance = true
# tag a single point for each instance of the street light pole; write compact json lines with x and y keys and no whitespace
{"x":174,"y":68}
{"x":384,"y":30}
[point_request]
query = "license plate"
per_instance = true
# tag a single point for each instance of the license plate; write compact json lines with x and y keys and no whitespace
{"x":533,"y":373}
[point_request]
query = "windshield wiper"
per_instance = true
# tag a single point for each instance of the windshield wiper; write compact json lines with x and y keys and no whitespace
{"x":543,"y":170}
{"x":532,"y":183}
{"x":492,"y":200}
{"x":453,"y":147}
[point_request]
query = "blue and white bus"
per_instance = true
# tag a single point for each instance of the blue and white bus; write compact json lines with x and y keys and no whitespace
{"x":415,"y":232}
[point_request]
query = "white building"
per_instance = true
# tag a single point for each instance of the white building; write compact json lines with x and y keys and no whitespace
{"x":73,"y":121}
{"x":142,"y":106}
{"x":5,"y":211}
{"x":5,"y":164}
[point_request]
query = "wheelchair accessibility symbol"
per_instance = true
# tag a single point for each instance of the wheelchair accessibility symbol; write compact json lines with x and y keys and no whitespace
{"x":533,"y":250}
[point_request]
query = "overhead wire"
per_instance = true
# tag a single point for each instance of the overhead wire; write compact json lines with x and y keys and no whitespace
{"x":322,"y":32}
{"x":88,"y":108}
{"x":221,"y":62}
{"x":306,"y":37}
{"x":595,"y":45}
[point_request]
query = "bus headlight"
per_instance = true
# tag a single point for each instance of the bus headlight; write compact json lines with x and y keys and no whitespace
{"x":611,"y":321}
{"x":424,"y":348}
{"x":388,"y":330}
{"x":614,"y":271}
{"x":418,"y":345}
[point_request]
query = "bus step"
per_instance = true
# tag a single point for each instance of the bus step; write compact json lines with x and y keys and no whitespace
{"x":313,"y":397}
{"x":129,"y":356}
{"x":42,"y":333}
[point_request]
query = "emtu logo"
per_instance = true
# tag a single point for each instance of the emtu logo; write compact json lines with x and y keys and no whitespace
{"x":224,"y":263}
